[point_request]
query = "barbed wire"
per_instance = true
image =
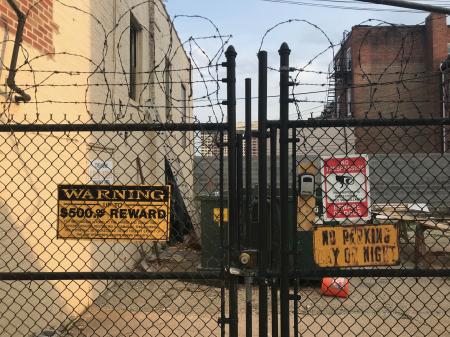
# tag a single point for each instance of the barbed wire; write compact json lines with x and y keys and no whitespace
{"x":175,"y":80}
{"x":104,"y":71}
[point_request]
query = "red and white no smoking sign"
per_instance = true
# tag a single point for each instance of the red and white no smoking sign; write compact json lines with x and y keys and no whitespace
{"x":346,"y":188}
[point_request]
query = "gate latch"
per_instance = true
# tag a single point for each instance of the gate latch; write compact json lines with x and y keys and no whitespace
{"x":248,"y":258}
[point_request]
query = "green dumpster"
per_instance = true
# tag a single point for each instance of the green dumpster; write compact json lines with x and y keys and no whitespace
{"x":213,"y":254}
{"x":212,"y":251}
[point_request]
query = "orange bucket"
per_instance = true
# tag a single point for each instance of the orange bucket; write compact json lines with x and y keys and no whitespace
{"x":335,"y":286}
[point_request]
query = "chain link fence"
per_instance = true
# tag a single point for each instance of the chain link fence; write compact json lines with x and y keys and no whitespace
{"x":408,"y":188}
{"x":94,"y":265}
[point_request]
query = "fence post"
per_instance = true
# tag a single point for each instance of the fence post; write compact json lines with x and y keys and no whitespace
{"x":274,"y":228}
{"x":262,"y":184}
{"x":233,"y":229}
{"x":222,"y":234}
{"x":295,"y":296}
{"x":284,"y":188}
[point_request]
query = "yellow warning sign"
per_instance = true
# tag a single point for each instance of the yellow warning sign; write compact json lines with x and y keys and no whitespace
{"x":113,"y":212}
{"x":216,"y":215}
{"x":356,"y":246}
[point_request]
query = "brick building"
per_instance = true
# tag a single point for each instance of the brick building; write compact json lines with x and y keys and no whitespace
{"x":392,"y":72}
{"x":40,"y":27}
{"x":445,"y":69}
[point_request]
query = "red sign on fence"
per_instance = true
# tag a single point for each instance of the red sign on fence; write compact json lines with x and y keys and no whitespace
{"x":346,"y":188}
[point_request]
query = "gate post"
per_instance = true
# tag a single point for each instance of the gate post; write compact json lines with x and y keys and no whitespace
{"x":233,"y":229}
{"x":262,"y":185}
{"x":249,"y":230}
{"x":284,"y":188}
{"x":239,"y":188}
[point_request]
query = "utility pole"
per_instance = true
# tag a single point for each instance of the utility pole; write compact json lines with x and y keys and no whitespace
{"x":410,"y":5}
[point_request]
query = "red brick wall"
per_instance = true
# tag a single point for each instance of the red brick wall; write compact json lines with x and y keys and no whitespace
{"x":381,"y":56}
{"x":39,"y":27}
{"x":377,"y":52}
{"x":436,"y":39}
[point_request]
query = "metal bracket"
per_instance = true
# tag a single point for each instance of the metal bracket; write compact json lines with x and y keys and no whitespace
{"x":223,"y":144}
{"x":226,"y":103}
{"x":222,"y":321}
{"x":225,"y":320}
{"x":294,"y":297}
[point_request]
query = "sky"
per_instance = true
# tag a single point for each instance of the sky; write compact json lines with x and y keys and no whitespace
{"x":248,"y":20}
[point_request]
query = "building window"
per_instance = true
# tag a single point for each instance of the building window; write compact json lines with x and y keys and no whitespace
{"x":135,"y":55}
{"x":349,"y":102}
{"x":338,"y":107}
{"x":168,"y":89}
{"x":348,"y":59}
{"x":338,"y":63}
{"x":183,"y":113}
{"x":448,"y":48}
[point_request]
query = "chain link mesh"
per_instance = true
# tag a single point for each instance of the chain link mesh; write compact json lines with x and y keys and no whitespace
{"x":35,"y":163}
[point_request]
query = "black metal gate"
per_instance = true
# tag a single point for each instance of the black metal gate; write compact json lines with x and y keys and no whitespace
{"x":301,"y":290}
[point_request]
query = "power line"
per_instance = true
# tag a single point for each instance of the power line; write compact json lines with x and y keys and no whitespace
{"x":410,"y":4}
{"x":331,"y":4}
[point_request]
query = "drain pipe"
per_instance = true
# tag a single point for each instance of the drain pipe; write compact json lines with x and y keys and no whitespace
{"x":444,"y":70}
{"x":11,"y":80}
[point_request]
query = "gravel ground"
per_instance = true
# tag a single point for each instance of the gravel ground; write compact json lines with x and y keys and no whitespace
{"x":375,"y":307}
